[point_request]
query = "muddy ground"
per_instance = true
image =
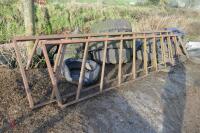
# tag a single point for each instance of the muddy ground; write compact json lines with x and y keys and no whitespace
{"x":162,"y":102}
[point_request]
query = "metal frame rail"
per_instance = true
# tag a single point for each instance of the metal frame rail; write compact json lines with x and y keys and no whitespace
{"x":166,"y":39}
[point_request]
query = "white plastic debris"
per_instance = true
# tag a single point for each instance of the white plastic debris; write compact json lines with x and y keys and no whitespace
{"x":193,"y":45}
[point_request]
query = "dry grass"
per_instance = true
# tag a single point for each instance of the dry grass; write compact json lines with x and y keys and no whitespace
{"x":7,"y":54}
{"x":143,"y":18}
{"x":156,"y":22}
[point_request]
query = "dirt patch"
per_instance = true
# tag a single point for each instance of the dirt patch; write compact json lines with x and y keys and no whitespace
{"x":162,"y":102}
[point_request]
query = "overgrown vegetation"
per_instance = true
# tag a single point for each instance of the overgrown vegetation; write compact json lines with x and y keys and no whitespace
{"x":58,"y":18}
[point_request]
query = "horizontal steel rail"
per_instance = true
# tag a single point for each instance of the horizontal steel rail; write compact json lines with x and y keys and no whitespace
{"x":62,"y":36}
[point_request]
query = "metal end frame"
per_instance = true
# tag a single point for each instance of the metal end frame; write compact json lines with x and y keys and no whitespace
{"x":165,"y":37}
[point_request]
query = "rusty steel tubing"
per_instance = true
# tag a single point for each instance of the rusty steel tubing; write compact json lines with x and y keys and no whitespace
{"x":170,"y":50}
{"x":164,"y":51}
{"x":184,"y":48}
{"x":145,"y":60}
{"x":62,"y":36}
{"x":120,"y":62}
{"x":105,"y":90}
{"x":62,"y":42}
{"x":134,"y":59}
{"x":155,"y":65}
{"x":176,"y":46}
{"x":103,"y":66}
{"x":58,"y":57}
{"x":25,"y":80}
{"x":76,"y":41}
{"x":52,"y":77}
{"x":32,"y":54}
{"x":80,"y":84}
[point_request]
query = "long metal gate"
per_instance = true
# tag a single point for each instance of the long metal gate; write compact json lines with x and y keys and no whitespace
{"x":171,"y":46}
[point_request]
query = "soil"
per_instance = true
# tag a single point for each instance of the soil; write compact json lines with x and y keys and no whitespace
{"x":162,"y":102}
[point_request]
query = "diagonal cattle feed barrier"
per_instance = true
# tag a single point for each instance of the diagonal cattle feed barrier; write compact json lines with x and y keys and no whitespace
{"x":162,"y":43}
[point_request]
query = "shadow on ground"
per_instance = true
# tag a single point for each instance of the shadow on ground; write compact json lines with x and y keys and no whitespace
{"x":162,"y":102}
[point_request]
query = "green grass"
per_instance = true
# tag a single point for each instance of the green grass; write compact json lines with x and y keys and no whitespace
{"x":107,"y":2}
{"x":58,"y":18}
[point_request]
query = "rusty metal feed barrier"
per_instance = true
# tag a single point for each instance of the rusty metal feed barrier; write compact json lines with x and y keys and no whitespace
{"x":170,"y":44}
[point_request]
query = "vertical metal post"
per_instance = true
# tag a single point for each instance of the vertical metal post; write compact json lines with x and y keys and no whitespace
{"x":51,"y":74}
{"x":176,"y":46}
{"x":162,"y":50}
{"x":134,"y":58}
{"x":32,"y":53}
{"x":103,"y":66}
{"x":25,"y":81}
{"x":155,"y":65}
{"x":80,"y":84}
{"x":145,"y":61}
{"x":120,"y":62}
{"x":58,"y":57}
{"x":170,"y":49}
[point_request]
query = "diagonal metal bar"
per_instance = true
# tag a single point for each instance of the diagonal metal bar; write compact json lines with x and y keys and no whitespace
{"x":80,"y":84}
{"x":183,"y":46}
{"x":164,"y":52}
{"x":176,"y":46}
{"x":120,"y":62}
{"x":103,"y":66}
{"x":52,"y":77}
{"x":25,"y":80}
{"x":121,"y":37}
{"x":155,"y":65}
{"x":32,"y":53}
{"x":170,"y":50}
{"x":58,"y":57}
{"x":134,"y":59}
{"x":145,"y":60}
